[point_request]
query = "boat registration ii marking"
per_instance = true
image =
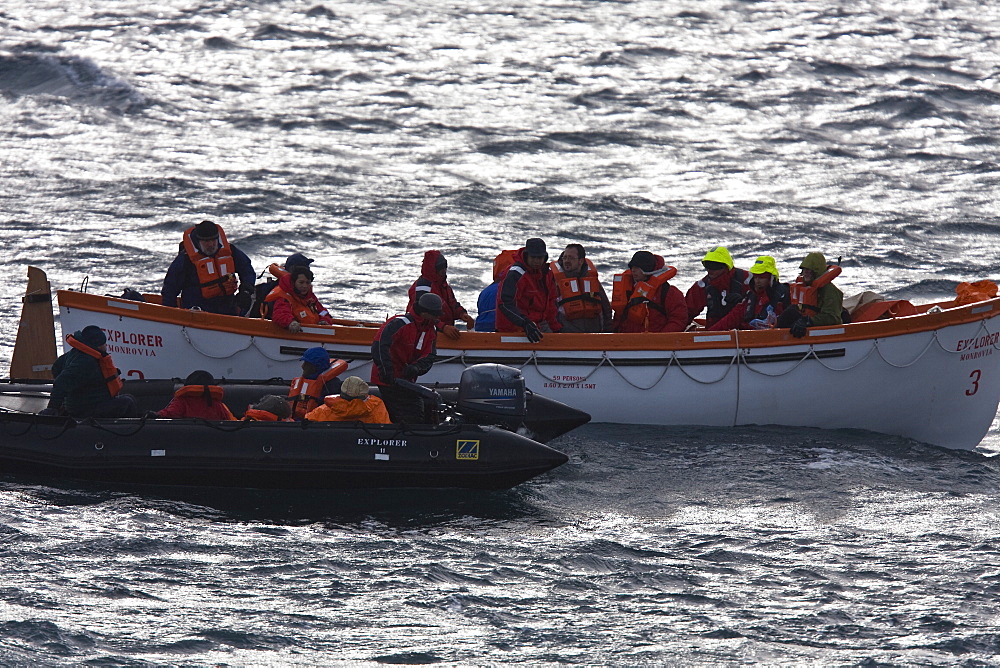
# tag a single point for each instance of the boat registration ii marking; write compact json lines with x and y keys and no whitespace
{"x":466,"y":449}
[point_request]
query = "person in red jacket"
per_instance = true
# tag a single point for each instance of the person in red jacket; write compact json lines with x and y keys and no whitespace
{"x":295,"y":304}
{"x":722,"y":288}
{"x":652,"y":304}
{"x":200,"y":397}
{"x":434,"y":279}
{"x":404,"y":347}
{"x":527,"y":296}
{"x":767,"y":291}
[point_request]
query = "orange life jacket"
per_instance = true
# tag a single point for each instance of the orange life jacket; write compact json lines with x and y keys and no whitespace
{"x":303,"y":311}
{"x":306,"y":394}
{"x":257,"y":415}
{"x":805,"y":296}
{"x":108,"y":370}
{"x":502,"y":261}
{"x":578,"y":297}
{"x":214,"y":391}
{"x":630,"y":301}
{"x":216,"y":276}
{"x":275,"y":270}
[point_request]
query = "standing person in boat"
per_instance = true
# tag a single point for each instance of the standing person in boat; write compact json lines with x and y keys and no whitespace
{"x":404,"y":347}
{"x":582,"y":304}
{"x":262,"y":309}
{"x":209,"y":273}
{"x":644,"y":300}
{"x":87,"y":384}
{"x":434,"y":279}
{"x":294,"y":303}
{"x":816,"y":301}
{"x":526,"y":299}
{"x":200,"y":397}
{"x":353,"y":404}
{"x":722,"y":288}
{"x":320,"y":377}
{"x":766,"y":292}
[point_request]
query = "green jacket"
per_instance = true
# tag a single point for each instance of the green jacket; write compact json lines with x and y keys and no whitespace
{"x":79,"y":385}
{"x":829,"y":298}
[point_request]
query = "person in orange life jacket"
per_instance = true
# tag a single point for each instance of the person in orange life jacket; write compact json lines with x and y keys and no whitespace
{"x":295,"y":304}
{"x":320,"y":378}
{"x":86,"y":383}
{"x":720,"y":290}
{"x":816,"y":301}
{"x":765,"y":291}
{"x":353,"y":404}
{"x":404,"y":347}
{"x":434,"y":279}
{"x":270,"y":408}
{"x":262,"y":309}
{"x":526,"y":299}
{"x":645,"y":301}
{"x":200,"y":397}
{"x":205,"y":273}
{"x":582,"y":304}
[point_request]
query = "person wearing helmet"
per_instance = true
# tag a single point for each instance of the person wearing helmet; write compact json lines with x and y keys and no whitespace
{"x":434,"y":279}
{"x":526,"y":300}
{"x":404,"y":347}
{"x":766,"y":291}
{"x":816,"y":301}
{"x":722,"y":288}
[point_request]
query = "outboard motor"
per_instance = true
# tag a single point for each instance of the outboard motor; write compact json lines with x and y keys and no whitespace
{"x":493,"y":394}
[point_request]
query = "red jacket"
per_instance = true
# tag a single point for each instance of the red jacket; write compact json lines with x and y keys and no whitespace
{"x":526,"y":294}
{"x":432,"y":281}
{"x":403,"y":341}
{"x":190,"y":402}
{"x":289,"y":306}
{"x":667,"y":313}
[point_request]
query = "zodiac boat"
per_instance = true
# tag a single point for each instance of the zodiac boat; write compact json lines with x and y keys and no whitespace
{"x":933,"y":376}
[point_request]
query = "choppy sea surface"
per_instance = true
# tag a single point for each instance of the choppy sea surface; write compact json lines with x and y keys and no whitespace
{"x":362,"y":134}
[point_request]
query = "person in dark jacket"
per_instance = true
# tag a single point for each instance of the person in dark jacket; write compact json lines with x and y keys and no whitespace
{"x":86,"y":383}
{"x":527,"y":296}
{"x":404,"y":347}
{"x":434,"y":279}
{"x":209,"y":273}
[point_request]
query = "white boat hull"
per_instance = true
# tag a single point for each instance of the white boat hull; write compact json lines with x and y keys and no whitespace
{"x":933,"y":377}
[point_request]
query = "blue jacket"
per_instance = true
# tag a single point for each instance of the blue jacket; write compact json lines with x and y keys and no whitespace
{"x":487,"y":306}
{"x":182,"y":279}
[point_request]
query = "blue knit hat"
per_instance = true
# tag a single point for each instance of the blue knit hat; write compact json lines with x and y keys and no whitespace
{"x":318,"y":357}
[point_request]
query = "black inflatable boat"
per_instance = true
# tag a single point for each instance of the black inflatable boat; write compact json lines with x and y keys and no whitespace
{"x":474,"y":442}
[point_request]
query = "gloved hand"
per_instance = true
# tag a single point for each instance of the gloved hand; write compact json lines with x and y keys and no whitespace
{"x":470,"y":322}
{"x":799,"y":327}
{"x":450,"y":331}
{"x":48,"y":410}
{"x":294,"y":327}
{"x":411,"y":371}
{"x":757,"y":323}
{"x":532,"y":332}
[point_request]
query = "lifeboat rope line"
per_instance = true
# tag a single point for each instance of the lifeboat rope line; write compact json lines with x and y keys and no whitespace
{"x":252,"y":343}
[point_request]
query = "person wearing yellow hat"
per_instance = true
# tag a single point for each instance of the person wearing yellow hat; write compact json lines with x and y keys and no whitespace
{"x":763,"y":303}
{"x":722,"y":288}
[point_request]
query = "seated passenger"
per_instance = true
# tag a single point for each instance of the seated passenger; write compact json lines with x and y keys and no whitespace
{"x":720,"y":290}
{"x":353,"y":404}
{"x":200,"y":397}
{"x":816,"y":301}
{"x":582,"y":304}
{"x":643,"y":299}
{"x":767,"y":291}
{"x":262,"y":309}
{"x":294,"y":302}
{"x":434,"y":279}
{"x":270,"y":408}
{"x":486,"y":304}
{"x":319,"y":379}
{"x":87,"y":384}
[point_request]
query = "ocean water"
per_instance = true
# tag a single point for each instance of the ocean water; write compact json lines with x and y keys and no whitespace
{"x":362,"y":134}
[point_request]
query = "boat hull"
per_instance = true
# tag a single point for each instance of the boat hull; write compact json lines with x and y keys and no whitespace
{"x":933,"y":377}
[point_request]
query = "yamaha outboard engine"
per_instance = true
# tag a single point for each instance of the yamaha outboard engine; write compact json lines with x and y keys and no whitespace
{"x":493,"y":394}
